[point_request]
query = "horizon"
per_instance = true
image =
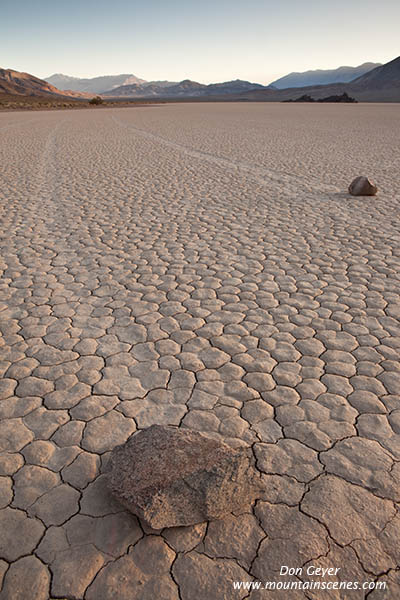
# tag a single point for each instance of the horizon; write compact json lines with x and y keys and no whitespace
{"x":197,"y":81}
{"x":224,"y":81}
{"x":257,"y":42}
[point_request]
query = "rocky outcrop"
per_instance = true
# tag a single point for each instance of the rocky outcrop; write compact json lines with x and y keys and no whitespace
{"x":171,"y":477}
{"x":335,"y":98}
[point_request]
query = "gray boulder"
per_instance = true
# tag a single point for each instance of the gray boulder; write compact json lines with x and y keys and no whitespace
{"x":362,"y":186}
{"x":171,"y":477}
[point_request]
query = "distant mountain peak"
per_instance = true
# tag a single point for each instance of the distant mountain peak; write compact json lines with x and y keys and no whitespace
{"x":92,"y":85}
{"x":25,"y":84}
{"x":387,"y":75}
{"x":189,"y":82}
{"x":323,"y":76}
{"x":62,"y":75}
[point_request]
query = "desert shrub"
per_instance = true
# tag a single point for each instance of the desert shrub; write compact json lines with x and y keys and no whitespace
{"x":96,"y":100}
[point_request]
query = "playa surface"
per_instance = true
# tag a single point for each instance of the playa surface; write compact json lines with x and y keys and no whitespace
{"x":201,"y":266}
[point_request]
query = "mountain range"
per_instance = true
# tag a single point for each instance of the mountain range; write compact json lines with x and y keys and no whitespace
{"x":184,"y":88}
{"x":14,"y":82}
{"x":380,"y":84}
{"x":321,"y":77}
{"x":118,"y":84}
{"x":95,"y":85}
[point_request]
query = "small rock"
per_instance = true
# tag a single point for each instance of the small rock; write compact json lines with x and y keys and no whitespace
{"x":171,"y":477}
{"x":362,"y":186}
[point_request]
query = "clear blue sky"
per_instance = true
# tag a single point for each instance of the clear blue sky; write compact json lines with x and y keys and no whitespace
{"x":204,"y":40}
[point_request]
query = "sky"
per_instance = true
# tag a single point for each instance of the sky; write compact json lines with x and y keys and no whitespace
{"x":203,"y":40}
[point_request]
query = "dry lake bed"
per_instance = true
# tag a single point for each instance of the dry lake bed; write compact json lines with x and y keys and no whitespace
{"x":201,"y":265}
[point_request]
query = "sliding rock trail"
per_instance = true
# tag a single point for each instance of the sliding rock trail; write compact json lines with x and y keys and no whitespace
{"x":200,"y":266}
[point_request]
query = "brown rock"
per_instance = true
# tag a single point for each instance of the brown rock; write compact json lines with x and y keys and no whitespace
{"x":171,"y":477}
{"x":362,"y":186}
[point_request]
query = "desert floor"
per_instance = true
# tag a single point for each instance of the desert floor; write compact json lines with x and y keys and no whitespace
{"x":202,"y":266}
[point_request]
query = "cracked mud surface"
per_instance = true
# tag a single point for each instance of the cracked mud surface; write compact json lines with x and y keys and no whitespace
{"x":201,"y":266}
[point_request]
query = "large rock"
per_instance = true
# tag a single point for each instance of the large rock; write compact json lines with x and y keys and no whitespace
{"x":362,"y":186}
{"x":171,"y":477}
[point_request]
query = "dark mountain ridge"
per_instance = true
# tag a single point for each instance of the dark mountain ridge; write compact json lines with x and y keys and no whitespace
{"x":384,"y":76}
{"x":323,"y":76}
{"x":382,"y":84}
{"x":183,"y":88}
